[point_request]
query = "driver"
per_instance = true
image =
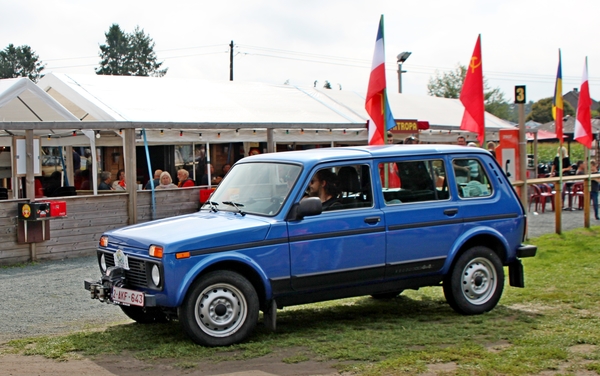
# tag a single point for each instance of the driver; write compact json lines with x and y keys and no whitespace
{"x":324,"y":186}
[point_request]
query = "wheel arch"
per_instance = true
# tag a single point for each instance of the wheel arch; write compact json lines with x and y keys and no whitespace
{"x":244,"y":267}
{"x":488,"y":238}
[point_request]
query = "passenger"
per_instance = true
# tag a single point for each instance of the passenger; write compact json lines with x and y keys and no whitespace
{"x":166,"y":182}
{"x":105,"y":179}
{"x":156,"y":180}
{"x":184,"y":179}
{"x":324,"y":186}
{"x":461,"y":141}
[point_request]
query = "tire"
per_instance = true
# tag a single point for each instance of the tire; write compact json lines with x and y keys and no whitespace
{"x":475,"y":282}
{"x":386,"y":295}
{"x":149,"y":315}
{"x":220,"y":309}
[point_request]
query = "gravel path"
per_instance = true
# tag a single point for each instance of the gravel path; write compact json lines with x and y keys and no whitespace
{"x":49,"y":298}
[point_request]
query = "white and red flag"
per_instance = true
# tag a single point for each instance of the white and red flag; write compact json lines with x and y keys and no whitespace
{"x":376,"y":104}
{"x":583,"y":121}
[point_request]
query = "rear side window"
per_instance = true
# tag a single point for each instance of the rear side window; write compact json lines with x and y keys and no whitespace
{"x":413,"y":181}
{"x":471,"y":178}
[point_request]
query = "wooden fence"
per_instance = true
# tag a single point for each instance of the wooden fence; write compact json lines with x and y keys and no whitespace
{"x":87,"y":218}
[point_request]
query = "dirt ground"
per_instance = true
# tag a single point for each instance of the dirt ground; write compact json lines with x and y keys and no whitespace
{"x":124,"y":365}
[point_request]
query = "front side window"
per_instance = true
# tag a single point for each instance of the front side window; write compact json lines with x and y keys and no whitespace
{"x":342,"y":187}
{"x":471,"y":178}
{"x":413,"y":181}
{"x":258,"y":188}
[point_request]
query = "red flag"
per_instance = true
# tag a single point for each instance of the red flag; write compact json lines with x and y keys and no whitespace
{"x":557,"y":102}
{"x":583,"y":122}
{"x":472,"y":97}
{"x":377,"y":105}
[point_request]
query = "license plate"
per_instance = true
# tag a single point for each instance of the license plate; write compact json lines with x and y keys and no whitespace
{"x":127,"y":297}
{"x":121,"y":260}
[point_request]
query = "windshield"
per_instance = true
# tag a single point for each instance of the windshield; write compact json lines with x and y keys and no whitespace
{"x":257,"y":188}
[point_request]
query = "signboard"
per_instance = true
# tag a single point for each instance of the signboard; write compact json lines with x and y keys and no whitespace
{"x":409,"y":126}
{"x":520,"y":94}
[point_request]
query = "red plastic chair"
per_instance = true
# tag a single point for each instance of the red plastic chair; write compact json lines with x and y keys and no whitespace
{"x":577,"y":191}
{"x":535,"y":196}
{"x":548,"y":195}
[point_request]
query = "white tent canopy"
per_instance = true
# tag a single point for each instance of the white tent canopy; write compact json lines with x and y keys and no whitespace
{"x":312,"y":115}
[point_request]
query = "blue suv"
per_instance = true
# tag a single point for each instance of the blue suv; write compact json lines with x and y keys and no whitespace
{"x":305,"y":226}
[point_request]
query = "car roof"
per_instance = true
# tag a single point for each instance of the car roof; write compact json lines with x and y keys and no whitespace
{"x":360,"y":152}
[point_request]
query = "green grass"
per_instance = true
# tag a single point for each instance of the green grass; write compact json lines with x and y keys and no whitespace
{"x":552,"y":325}
{"x":547,"y":151}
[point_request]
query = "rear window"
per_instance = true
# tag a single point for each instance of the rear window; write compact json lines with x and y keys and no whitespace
{"x":471,"y":178}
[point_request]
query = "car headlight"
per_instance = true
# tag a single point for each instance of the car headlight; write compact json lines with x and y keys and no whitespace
{"x":103,"y":263}
{"x":156,"y":275}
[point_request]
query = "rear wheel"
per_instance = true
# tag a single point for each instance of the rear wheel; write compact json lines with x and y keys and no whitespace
{"x":220,"y":309}
{"x":148,"y":315}
{"x":475,"y":283}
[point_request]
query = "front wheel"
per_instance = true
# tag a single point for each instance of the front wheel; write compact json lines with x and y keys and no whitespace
{"x":220,"y":309}
{"x":475,"y":283}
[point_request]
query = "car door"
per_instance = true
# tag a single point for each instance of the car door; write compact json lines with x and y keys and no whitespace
{"x":340,"y":247}
{"x":423,"y":220}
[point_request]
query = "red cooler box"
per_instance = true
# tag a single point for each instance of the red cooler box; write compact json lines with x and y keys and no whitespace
{"x":58,"y":208}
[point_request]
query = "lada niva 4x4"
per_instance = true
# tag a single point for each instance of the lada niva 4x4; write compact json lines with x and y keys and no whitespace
{"x":297,"y":227}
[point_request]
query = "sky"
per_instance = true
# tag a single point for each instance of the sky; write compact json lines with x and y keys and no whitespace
{"x":300,"y":42}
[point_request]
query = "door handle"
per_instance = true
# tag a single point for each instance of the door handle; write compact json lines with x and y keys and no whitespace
{"x":372,"y":220}
{"x":451,"y":212}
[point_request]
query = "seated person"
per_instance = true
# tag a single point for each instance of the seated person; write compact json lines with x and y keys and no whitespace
{"x":184,"y":179}
{"x":166,"y":182}
{"x":105,"y":181}
{"x":324,"y":186}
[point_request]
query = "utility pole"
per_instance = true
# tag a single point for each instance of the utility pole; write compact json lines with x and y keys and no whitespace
{"x":231,"y":61}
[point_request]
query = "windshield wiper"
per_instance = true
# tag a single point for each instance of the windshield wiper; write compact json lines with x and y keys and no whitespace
{"x":236,"y":205}
{"x":213,"y":206}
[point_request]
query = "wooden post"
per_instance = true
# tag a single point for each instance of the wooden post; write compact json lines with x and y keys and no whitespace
{"x":130,"y":173}
{"x":270,"y":141}
{"x":523,"y":154}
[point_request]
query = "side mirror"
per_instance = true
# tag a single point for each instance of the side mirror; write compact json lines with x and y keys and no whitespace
{"x":307,"y":206}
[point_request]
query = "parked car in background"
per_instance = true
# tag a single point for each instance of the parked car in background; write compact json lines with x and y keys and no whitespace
{"x":402,"y":217}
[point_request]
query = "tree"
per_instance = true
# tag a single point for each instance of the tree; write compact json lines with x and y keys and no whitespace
{"x":449,"y":85}
{"x":127,"y":54}
{"x":541,"y":111}
{"x":20,"y":61}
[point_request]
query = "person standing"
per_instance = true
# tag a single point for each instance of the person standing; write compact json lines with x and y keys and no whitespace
{"x":594,"y":188}
{"x":566,"y":162}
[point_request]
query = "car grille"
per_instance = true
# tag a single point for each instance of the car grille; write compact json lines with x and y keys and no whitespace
{"x":136,"y":275}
